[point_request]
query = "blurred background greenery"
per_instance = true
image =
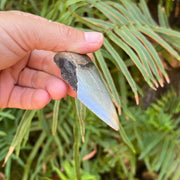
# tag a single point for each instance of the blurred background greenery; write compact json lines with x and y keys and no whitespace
{"x":65,"y":140}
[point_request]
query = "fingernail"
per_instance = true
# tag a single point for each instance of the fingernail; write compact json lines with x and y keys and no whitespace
{"x":93,"y":37}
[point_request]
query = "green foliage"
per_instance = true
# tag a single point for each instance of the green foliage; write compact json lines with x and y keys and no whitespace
{"x":44,"y":141}
{"x":154,"y":135}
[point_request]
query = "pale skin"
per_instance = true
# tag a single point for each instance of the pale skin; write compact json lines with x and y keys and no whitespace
{"x":29,"y":78}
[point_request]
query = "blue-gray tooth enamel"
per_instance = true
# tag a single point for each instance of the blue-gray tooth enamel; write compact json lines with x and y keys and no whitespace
{"x":80,"y":72}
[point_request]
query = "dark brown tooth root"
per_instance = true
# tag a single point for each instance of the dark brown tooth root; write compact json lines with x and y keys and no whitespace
{"x":68,"y":70}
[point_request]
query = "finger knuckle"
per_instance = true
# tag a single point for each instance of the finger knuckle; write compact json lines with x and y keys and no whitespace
{"x":66,"y":31}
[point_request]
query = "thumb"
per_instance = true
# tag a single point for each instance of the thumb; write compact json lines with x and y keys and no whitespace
{"x":34,"y":32}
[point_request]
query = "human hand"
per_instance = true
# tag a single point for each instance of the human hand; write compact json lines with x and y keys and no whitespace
{"x":29,"y":77}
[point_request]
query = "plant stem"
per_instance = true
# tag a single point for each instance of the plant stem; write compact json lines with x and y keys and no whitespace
{"x":76,"y":149}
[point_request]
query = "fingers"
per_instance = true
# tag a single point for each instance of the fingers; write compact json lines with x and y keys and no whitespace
{"x":20,"y":97}
{"x":33,"y":32}
{"x":32,"y":90}
{"x":27,"y":98}
{"x":56,"y":87}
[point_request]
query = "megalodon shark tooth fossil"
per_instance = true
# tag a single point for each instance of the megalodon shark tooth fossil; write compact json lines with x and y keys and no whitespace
{"x":80,"y":72}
